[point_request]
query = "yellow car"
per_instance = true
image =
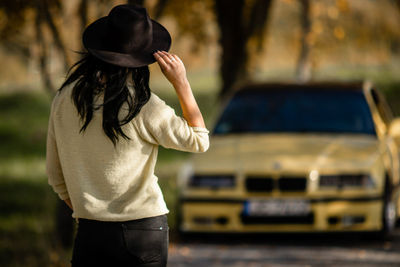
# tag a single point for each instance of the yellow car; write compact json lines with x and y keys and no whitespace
{"x":296,"y":158}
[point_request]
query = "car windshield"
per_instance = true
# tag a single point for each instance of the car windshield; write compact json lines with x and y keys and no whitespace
{"x":327,"y":111}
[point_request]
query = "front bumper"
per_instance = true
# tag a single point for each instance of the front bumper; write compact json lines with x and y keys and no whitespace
{"x":326,"y":215}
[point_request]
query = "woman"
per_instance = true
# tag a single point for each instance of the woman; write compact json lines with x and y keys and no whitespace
{"x":104,"y":130}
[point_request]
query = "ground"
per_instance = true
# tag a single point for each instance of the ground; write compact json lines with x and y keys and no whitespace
{"x":278,"y":250}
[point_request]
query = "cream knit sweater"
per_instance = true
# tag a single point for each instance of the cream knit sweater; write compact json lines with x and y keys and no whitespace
{"x":114,"y":184}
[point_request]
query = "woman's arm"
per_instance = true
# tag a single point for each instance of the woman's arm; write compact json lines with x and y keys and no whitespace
{"x":174,"y":70}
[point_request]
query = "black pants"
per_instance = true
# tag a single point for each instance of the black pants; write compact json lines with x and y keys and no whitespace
{"x":142,"y":242}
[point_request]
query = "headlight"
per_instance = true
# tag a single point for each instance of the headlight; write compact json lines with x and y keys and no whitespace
{"x":212,"y":181}
{"x":346,"y":181}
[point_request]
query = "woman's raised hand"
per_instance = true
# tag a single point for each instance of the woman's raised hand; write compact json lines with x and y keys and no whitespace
{"x":174,"y":70}
{"x":172,"y":67}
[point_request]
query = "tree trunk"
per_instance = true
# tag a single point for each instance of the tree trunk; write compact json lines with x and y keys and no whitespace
{"x":42,"y":53}
{"x":235,"y":31}
{"x":303,"y":69}
{"x":48,"y":17}
{"x":82,"y":13}
{"x":233,"y":41}
{"x":258,"y":21}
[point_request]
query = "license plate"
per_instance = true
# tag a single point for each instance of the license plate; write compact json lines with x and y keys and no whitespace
{"x":277,"y":207}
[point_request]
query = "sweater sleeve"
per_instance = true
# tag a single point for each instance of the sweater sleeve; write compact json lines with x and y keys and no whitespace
{"x":53,"y":166}
{"x":158,"y":124}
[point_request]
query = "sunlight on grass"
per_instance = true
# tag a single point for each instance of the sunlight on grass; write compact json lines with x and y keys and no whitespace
{"x":23,"y":168}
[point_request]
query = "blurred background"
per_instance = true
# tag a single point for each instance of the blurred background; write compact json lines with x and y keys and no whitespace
{"x":223,"y":44}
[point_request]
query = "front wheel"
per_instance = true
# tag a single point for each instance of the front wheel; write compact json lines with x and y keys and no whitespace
{"x":389,"y":213}
{"x":389,"y":217}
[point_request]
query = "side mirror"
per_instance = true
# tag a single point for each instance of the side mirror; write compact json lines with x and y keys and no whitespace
{"x":394,"y":129}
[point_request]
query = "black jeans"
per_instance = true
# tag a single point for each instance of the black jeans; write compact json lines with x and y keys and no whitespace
{"x":142,"y":242}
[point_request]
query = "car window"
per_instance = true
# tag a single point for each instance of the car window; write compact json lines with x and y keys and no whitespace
{"x":332,"y":111}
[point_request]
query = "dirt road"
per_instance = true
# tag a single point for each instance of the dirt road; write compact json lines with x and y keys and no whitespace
{"x":286,"y":250}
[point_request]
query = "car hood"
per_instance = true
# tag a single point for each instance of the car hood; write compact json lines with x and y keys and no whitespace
{"x":288,"y":152}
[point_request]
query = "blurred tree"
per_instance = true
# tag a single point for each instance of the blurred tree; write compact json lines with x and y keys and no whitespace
{"x":44,"y":17}
{"x":33,"y":29}
{"x":159,"y":8}
{"x":16,"y":19}
{"x":192,"y":19}
{"x":238,"y":21}
{"x":46,"y":9}
{"x":83,"y":14}
{"x":303,"y":68}
{"x":43,"y":53}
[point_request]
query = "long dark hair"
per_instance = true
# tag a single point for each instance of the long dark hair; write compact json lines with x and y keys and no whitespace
{"x":93,"y":77}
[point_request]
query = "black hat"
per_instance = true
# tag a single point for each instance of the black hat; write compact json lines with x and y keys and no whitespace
{"x":127,"y":37}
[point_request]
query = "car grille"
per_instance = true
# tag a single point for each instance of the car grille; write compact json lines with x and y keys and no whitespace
{"x":254,"y":184}
{"x":283,"y":184}
{"x":305,"y":219}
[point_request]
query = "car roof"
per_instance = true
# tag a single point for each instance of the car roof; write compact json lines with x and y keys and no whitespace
{"x":330,"y":85}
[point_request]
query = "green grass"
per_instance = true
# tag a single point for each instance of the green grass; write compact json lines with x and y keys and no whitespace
{"x":26,"y":201}
{"x":23,"y":127}
{"x":27,"y":223}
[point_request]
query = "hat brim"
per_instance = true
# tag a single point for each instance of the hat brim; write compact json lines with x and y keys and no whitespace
{"x":95,"y":34}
